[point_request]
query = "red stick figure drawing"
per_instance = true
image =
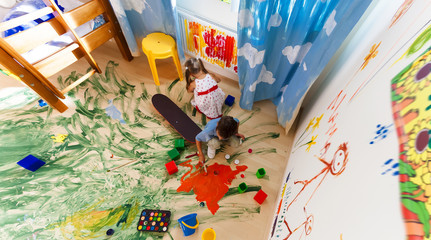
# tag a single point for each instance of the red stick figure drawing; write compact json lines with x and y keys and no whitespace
{"x":295,"y":217}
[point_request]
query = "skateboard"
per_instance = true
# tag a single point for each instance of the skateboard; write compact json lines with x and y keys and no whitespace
{"x":176,"y":117}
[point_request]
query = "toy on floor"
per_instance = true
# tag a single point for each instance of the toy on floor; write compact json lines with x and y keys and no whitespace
{"x":242,"y":187}
{"x":154,"y":220}
{"x":176,"y":117}
{"x":174,"y":154}
{"x":260,"y":196}
{"x":188,"y":224}
{"x":209,"y":234}
{"x":260,"y":173}
{"x":171,"y":167}
{"x":227,"y":156}
{"x":229,"y":100}
{"x":179,"y":144}
{"x":250,"y":150}
{"x":31,"y":163}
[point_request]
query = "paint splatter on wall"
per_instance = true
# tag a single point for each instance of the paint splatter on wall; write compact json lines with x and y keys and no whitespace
{"x":210,"y":43}
{"x":387,"y":135}
{"x":411,"y":91}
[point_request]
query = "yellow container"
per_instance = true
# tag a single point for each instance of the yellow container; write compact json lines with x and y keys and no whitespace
{"x":209,"y":234}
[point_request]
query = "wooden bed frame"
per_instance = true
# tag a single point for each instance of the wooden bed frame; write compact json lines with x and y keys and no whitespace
{"x":35,"y":75}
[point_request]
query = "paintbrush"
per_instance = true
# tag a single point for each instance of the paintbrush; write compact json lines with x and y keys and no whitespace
{"x":189,"y":156}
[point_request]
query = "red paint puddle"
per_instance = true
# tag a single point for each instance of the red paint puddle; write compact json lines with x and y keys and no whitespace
{"x":209,"y":188}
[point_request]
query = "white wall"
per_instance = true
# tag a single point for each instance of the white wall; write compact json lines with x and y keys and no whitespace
{"x":215,"y":11}
{"x":363,"y":200}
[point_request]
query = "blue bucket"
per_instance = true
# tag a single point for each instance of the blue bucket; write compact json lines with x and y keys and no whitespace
{"x":188,"y":224}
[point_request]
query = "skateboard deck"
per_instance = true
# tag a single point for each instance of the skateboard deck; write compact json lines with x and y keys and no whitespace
{"x":176,"y":117}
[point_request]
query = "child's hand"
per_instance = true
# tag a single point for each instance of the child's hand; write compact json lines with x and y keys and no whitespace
{"x":240,"y":136}
{"x":201,"y":158}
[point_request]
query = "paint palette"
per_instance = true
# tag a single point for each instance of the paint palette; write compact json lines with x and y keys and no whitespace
{"x":154,"y":220}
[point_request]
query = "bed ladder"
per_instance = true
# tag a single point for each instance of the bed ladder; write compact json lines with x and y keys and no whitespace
{"x":35,"y":75}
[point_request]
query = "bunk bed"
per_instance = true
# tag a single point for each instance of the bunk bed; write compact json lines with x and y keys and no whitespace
{"x":17,"y":51}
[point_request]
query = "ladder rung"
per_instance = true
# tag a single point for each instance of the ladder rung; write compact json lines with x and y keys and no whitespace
{"x":79,"y":81}
{"x":25,"y":18}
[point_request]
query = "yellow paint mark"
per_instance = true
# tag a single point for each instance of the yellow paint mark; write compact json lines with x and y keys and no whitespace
{"x":316,"y":125}
{"x":311,"y":142}
{"x":309,"y":124}
{"x":59,"y":138}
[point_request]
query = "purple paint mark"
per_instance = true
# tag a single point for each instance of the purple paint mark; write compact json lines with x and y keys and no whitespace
{"x":422,"y":139}
{"x":389,"y":165}
{"x":381,"y":133}
{"x":425,"y":70}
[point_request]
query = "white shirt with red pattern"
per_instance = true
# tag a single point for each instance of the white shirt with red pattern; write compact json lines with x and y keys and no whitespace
{"x":211,"y":102}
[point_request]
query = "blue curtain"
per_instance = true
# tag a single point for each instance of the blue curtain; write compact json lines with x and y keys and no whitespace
{"x":283,"y":45}
{"x":138,"y":18}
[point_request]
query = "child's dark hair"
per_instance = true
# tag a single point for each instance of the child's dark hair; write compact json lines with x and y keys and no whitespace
{"x":193,"y":66}
{"x":227,"y":127}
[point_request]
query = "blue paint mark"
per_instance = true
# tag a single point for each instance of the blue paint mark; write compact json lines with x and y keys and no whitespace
{"x":42,"y":103}
{"x":114,"y":113}
{"x":389,"y":161}
{"x":288,"y":176}
{"x":391,"y":167}
{"x":381,"y":133}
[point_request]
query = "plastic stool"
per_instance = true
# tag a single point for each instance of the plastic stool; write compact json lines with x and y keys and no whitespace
{"x":160,"y":46}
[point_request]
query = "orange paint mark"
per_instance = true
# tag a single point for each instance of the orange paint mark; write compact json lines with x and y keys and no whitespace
{"x":411,"y":115}
{"x":415,"y":227}
{"x":209,"y":187}
{"x":372,"y":54}
{"x":401,"y":35}
{"x":401,"y":11}
{"x":400,"y":90}
{"x":404,"y":104}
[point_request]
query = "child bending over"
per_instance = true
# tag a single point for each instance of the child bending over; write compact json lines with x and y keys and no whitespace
{"x":208,"y":97}
{"x":224,"y":128}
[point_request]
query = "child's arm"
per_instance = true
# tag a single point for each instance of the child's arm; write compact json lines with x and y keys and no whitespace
{"x":217,"y":79}
{"x":200,"y":153}
{"x":239,"y":134}
{"x":191,"y":87}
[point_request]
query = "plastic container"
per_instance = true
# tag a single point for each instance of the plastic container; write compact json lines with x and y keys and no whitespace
{"x":188,"y":224}
{"x":209,"y":234}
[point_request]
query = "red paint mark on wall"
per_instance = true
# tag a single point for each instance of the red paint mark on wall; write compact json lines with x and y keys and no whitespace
{"x":211,"y":187}
{"x":211,"y":44}
{"x":333,"y":107}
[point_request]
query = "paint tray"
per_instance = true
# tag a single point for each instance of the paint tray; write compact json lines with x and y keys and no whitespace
{"x":152,"y":220}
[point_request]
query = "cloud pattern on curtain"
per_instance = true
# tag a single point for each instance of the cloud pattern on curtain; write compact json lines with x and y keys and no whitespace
{"x":283,"y":45}
{"x":138,"y":18}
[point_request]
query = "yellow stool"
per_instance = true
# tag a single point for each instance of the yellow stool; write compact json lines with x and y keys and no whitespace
{"x":160,"y":46}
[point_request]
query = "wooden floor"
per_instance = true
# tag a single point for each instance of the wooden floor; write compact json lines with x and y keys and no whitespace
{"x":239,"y":216}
